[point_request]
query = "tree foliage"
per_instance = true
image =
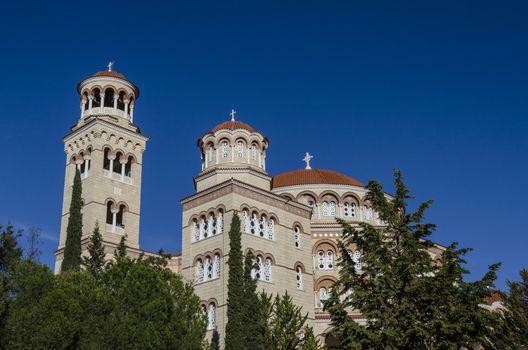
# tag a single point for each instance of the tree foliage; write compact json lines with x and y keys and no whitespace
{"x":95,"y":261}
{"x":72,"y":249}
{"x":122,"y":247}
{"x":234,"y":337}
{"x":514,"y":331}
{"x":408,"y":300}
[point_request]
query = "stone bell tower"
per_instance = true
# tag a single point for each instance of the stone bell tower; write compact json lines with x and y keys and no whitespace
{"x":107,"y":148}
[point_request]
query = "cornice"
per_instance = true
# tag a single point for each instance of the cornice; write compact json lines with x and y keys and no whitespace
{"x":96,"y":120}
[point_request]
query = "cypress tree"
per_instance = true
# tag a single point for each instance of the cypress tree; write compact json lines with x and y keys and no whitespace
{"x":72,"y":249}
{"x":254,"y":330}
{"x":234,"y":339}
{"x":95,"y":262}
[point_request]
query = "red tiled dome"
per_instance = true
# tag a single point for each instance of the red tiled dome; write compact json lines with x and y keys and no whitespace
{"x":313,"y":177}
{"x":105,"y":73}
{"x":232,"y":125}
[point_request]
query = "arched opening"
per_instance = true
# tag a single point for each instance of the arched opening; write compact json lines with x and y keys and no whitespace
{"x":117,"y":164}
{"x":109,"y":214}
{"x":96,"y":98}
{"x":109,"y":97}
{"x":106,"y":160}
{"x":121,"y":101}
{"x":85,"y":101}
{"x":128,"y":166}
{"x":120,"y":216}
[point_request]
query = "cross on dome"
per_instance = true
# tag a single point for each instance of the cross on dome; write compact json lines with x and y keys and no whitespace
{"x":232,"y":114}
{"x":307,"y":159}
{"x":110,"y":65}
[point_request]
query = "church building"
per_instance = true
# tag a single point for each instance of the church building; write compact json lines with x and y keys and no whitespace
{"x":287,"y":220}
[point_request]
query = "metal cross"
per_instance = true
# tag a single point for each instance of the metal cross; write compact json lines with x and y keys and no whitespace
{"x":307,"y":159}
{"x":110,"y":64}
{"x":232,"y":114}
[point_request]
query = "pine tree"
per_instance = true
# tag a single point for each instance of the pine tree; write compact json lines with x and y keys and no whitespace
{"x":254,"y":331}
{"x":409,"y":300}
{"x":286,"y":324}
{"x":234,"y":339}
{"x":121,"y":248}
{"x":95,"y":261}
{"x":72,"y":249}
{"x":514,"y":331}
{"x":310,"y":342}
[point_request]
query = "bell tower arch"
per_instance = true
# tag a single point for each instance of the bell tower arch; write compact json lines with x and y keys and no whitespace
{"x":107,"y":148}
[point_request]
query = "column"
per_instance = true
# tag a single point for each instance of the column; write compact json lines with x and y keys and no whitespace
{"x":131,"y":113}
{"x":216,"y":158}
{"x":82,"y":108}
{"x":115,"y":104}
{"x":232,"y":153}
{"x":114,"y":219}
{"x":126,"y":107}
{"x":90,"y":103}
{"x":111,"y":157}
{"x":123,"y":162}
{"x":102,"y":103}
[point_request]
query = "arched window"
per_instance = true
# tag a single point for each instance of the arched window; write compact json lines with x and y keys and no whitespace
{"x":331,"y":209}
{"x":109,"y":98}
{"x":225,"y":147}
{"x":298,"y":277}
{"x":96,"y":98}
{"x":109,"y":214}
{"x":196,"y":228}
{"x":329,"y":260}
{"x":117,"y":164}
{"x":256,"y":272}
{"x":323,"y":296}
{"x":326,"y":211}
{"x":106,"y":161}
{"x":350,"y":209}
{"x":220,"y":220}
{"x":128,"y":166}
{"x":321,"y":261}
{"x":271,"y":229}
{"x":199,"y":271}
{"x":211,"y":225}
{"x":254,"y":152}
{"x":121,"y":101}
{"x":216,"y":266}
{"x":262,"y":228}
{"x":246,"y":222}
{"x":240,"y":149}
{"x":208,"y":267}
{"x":267,"y":270}
{"x":211,"y":317}
{"x":254,"y":224}
{"x":297,"y":236}
{"x":119,"y":218}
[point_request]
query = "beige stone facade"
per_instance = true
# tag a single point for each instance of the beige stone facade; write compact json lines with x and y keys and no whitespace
{"x":287,"y":220}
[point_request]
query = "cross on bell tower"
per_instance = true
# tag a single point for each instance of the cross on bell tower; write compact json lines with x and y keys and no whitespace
{"x":232,"y":114}
{"x":307,"y":159}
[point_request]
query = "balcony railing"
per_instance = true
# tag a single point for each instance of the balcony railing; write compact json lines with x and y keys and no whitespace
{"x":105,"y":110}
{"x":115,"y":176}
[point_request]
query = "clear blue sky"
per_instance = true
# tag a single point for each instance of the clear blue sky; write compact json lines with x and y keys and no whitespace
{"x":436,"y":90}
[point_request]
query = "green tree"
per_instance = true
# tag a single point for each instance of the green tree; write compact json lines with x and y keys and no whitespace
{"x":409,"y":300}
{"x":234,"y":337}
{"x":254,"y":331}
{"x":514,"y":333}
{"x":95,"y":261}
{"x":286,"y":324}
{"x":122,"y":248}
{"x":72,"y":248}
{"x":310,"y":342}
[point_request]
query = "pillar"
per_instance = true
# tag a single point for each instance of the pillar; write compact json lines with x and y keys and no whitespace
{"x":123,"y":162}
{"x":126,"y":107}
{"x":115,"y":103}
{"x":90,"y":103}
{"x":132,"y":113}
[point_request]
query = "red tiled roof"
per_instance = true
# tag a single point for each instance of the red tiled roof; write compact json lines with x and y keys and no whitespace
{"x":232,"y":125}
{"x":494,"y":297}
{"x":113,"y":74}
{"x":313,"y":176}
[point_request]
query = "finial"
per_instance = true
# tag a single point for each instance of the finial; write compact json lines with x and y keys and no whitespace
{"x":110,"y":64}
{"x":232,"y":114}
{"x":307,"y":159}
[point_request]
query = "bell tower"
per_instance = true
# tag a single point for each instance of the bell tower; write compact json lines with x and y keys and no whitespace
{"x":107,"y":148}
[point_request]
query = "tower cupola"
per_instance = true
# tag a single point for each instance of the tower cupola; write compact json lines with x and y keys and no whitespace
{"x":108,"y":93}
{"x":233,"y":149}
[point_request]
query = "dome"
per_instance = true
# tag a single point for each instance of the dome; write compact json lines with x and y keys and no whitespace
{"x":232,"y":125}
{"x":313,"y":177}
{"x":113,"y":74}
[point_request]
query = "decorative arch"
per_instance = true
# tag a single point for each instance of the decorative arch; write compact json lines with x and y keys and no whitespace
{"x":325,"y":281}
{"x":325,"y":244}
